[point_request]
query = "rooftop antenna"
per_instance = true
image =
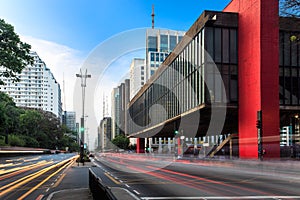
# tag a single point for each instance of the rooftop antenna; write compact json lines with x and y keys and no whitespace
{"x":152,"y":15}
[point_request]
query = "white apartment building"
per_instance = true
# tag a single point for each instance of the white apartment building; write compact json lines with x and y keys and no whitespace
{"x":37,"y":88}
{"x":137,"y":75}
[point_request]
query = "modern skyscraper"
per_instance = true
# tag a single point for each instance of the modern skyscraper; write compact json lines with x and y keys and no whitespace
{"x":120,"y":99}
{"x":159,"y":43}
{"x":69,"y":119}
{"x":37,"y":88}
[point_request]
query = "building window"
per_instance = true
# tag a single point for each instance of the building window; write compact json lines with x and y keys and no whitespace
{"x":173,"y":42}
{"x":152,"y":43}
{"x":164,"y":43}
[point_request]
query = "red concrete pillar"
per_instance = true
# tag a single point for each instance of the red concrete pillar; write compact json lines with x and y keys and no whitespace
{"x":179,"y":152}
{"x":140,"y":145}
{"x":258,"y":67}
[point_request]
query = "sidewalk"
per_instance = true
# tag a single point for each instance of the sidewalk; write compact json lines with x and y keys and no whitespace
{"x":74,"y":185}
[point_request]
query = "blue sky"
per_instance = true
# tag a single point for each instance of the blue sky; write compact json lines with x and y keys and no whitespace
{"x":82,"y":25}
{"x":65,"y":33}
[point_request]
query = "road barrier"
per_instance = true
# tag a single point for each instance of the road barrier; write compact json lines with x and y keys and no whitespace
{"x":101,"y":191}
{"x":98,"y":189}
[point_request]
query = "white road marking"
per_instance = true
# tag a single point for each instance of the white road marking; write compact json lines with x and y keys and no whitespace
{"x":137,"y":192}
{"x":127,"y":185}
{"x":225,"y":197}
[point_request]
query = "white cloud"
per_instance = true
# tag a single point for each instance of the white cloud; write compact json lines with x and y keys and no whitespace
{"x":63,"y":61}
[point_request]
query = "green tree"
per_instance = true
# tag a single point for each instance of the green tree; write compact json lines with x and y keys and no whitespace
{"x":121,"y":141}
{"x":9,"y":114}
{"x":14,"y":54}
{"x":30,"y":122}
{"x":16,"y":140}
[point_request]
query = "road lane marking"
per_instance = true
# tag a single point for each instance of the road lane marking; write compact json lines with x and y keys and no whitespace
{"x":59,"y":180}
{"x":224,"y":197}
{"x":40,"y":197}
{"x":137,"y":192}
{"x":127,"y":185}
{"x":111,"y":178}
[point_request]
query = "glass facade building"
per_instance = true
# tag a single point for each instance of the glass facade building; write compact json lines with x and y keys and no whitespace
{"x":181,"y":83}
{"x":289,"y":63}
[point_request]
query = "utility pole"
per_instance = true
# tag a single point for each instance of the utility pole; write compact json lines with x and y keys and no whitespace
{"x":83,"y":85}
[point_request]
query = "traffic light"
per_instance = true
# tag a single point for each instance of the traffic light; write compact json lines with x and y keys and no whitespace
{"x":81,"y":129}
{"x":176,"y":132}
{"x":258,"y":124}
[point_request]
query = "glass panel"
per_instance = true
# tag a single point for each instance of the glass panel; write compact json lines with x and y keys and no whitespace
{"x":281,"y":41}
{"x":287,"y":86}
{"x":281,"y":84}
{"x":233,"y":46}
{"x":225,"y":47}
{"x":157,"y":57}
{"x":217,"y":45}
{"x":233,"y":83}
{"x":209,"y":41}
{"x":286,"y":49}
{"x":226,"y":81}
{"x":152,"y":43}
{"x":294,"y":53}
{"x":163,"y":43}
{"x":173,"y":42}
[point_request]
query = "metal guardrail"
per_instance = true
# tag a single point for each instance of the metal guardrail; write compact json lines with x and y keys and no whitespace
{"x":98,"y":189}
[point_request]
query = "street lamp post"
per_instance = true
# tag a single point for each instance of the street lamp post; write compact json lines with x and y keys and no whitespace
{"x":83,"y":85}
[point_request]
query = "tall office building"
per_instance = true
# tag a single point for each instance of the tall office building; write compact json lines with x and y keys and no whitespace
{"x":104,"y":134}
{"x":159,"y":43}
{"x":115,"y":111}
{"x":120,"y":99}
{"x":137,"y":75}
{"x":69,"y":119}
{"x":37,"y":88}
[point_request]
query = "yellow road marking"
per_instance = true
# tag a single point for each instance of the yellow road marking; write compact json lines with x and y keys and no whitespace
{"x":59,"y":180}
{"x":112,"y":178}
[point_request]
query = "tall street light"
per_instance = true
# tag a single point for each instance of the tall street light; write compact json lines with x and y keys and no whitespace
{"x":83,"y":85}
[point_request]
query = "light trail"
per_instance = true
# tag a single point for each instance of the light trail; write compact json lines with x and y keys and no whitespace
{"x":69,"y":162}
{"x":26,"y":168}
{"x":18,"y":183}
{"x":2,"y":172}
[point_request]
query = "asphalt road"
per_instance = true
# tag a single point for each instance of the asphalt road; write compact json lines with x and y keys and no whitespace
{"x":159,"y":178}
{"x":28,"y":177}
